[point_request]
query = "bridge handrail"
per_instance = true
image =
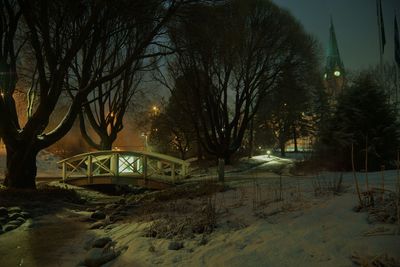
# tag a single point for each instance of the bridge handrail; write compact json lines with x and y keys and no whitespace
{"x":108,"y":152}
{"x":93,"y":164}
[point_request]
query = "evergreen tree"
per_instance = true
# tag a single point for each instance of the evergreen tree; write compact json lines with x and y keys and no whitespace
{"x":363,"y":118}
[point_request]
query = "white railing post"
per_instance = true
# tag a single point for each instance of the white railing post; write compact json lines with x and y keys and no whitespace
{"x":114,"y":164}
{"x":89,"y":171}
{"x":173,"y":172}
{"x":159,"y":167}
{"x":64,"y":171}
{"x":144,"y":167}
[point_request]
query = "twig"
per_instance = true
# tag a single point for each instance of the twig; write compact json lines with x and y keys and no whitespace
{"x":354,"y":174}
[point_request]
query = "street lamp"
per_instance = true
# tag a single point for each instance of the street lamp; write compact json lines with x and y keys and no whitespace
{"x":145,"y":141}
{"x":155,"y":110}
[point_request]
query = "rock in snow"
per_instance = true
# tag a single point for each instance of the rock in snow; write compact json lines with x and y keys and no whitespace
{"x":98,"y":215}
{"x":98,"y":256}
{"x":101,"y":242}
{"x":175,"y":245}
{"x":3,"y":212}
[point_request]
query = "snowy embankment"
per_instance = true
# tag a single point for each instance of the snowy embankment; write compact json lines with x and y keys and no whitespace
{"x":256,"y":229}
{"x":309,"y":226}
{"x":269,"y":218}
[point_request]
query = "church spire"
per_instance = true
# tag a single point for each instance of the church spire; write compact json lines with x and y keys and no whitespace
{"x":334,"y":68}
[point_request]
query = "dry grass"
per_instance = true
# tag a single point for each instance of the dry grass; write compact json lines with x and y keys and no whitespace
{"x":323,"y":185}
{"x":374,"y":261}
{"x":186,"y":191}
{"x":179,"y":212}
{"x":182,"y":226}
{"x":381,"y":209}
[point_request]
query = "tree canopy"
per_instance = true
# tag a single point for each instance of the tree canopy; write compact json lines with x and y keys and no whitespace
{"x":229,"y":58}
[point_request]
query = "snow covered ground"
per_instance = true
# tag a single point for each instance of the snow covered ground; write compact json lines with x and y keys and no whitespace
{"x":252,"y":230}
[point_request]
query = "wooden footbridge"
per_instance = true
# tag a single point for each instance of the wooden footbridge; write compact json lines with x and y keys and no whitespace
{"x":141,"y":168}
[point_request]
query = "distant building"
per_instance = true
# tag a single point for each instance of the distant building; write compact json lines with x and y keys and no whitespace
{"x":334,"y":75}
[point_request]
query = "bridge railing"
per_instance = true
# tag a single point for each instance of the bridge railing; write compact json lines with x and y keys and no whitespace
{"x":143,"y":164}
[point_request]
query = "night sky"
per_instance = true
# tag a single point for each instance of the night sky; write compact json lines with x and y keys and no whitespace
{"x":355,"y":23}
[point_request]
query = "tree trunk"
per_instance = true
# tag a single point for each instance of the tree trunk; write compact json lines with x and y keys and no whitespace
{"x":282,"y":147}
{"x":295,"y":140}
{"x":21,"y":168}
{"x":106,"y":144}
{"x":227,"y":157}
{"x":199,"y":151}
{"x":183,"y":153}
{"x":221,"y":170}
{"x":251,"y":139}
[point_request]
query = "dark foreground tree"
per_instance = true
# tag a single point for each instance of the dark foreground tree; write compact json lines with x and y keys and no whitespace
{"x":56,"y":33}
{"x":229,"y":59}
{"x":364,"y":119}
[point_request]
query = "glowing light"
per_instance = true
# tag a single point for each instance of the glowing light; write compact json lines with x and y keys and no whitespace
{"x":126,"y":164}
{"x":325,"y":76}
{"x":155,"y":110}
{"x":336,"y":73}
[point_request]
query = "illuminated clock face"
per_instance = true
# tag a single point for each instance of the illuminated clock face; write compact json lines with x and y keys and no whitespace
{"x":336,"y":73}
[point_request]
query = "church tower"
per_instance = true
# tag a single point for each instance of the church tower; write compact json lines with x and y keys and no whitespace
{"x":334,"y":76}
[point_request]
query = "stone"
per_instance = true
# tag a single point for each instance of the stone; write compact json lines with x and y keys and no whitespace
{"x":96,"y":225}
{"x":203,"y":241}
{"x":14,"y":210}
{"x":15,"y":222}
{"x":9,"y":227}
{"x":3,"y":212}
{"x":111,"y":207}
{"x":175,"y":245}
{"x":20,"y":219}
{"x":97,"y":257}
{"x":13,"y":216}
{"x":3,"y":220}
{"x":110,"y":226}
{"x":101,"y":242}
{"x":115,"y":218}
{"x":25,"y":214}
{"x":120,"y":213}
{"x":98,"y":215}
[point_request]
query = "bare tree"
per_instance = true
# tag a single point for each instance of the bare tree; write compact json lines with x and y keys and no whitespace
{"x":230,"y":57}
{"x":106,"y":106}
{"x":58,"y":34}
